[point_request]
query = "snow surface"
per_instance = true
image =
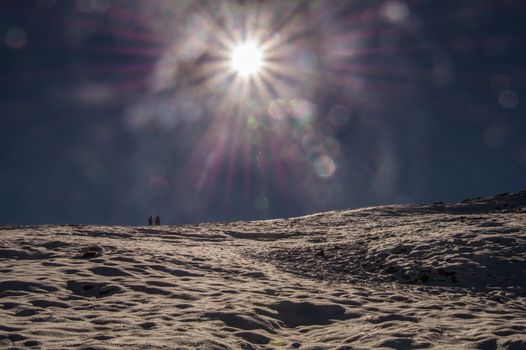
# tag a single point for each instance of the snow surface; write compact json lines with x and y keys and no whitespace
{"x":444,"y":276}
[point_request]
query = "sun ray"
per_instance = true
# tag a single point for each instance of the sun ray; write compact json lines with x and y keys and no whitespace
{"x":256,"y":72}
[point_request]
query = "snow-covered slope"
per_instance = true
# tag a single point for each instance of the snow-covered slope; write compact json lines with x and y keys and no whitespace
{"x":446,"y":276}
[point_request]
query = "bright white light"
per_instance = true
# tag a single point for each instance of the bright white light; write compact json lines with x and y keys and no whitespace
{"x":247,"y":58}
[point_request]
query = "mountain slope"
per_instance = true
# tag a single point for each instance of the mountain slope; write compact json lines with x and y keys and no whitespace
{"x":394,"y":277}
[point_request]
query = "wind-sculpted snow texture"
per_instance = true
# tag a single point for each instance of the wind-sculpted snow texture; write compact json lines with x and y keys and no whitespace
{"x":444,"y":276}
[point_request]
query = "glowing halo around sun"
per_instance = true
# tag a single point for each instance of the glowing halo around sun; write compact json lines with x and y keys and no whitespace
{"x":243,"y":84}
{"x":246,"y":58}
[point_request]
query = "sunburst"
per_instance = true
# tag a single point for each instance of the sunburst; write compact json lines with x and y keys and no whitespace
{"x":247,"y":59}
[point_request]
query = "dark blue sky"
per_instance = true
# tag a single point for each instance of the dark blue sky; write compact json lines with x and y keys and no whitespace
{"x":112,"y":110}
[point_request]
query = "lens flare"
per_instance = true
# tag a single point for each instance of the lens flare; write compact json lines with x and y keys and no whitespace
{"x":247,"y":59}
{"x":249,"y":95}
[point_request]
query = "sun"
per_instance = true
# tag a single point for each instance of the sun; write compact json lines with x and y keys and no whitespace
{"x":246,"y":59}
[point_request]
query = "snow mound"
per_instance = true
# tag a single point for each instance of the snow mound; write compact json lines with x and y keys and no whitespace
{"x":477,"y":244}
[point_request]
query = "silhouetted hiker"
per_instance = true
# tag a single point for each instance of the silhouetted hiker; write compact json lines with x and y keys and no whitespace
{"x":150,"y":220}
{"x":157,"y":220}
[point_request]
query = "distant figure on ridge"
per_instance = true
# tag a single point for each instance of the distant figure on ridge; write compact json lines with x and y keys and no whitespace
{"x":150,"y":220}
{"x":157,"y":220}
